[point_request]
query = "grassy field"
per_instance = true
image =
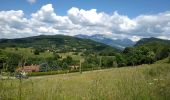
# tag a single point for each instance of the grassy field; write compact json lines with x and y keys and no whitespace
{"x":75,"y":57}
{"x":144,"y":82}
{"x":28,"y":52}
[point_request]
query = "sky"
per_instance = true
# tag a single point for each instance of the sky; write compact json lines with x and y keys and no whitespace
{"x":117,"y":19}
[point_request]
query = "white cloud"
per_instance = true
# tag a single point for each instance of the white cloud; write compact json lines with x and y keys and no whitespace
{"x":79,"y":21}
{"x":13,"y":24}
{"x":153,"y":25}
{"x":135,"y":38}
{"x":31,"y":1}
{"x":89,"y":17}
{"x":46,"y":14}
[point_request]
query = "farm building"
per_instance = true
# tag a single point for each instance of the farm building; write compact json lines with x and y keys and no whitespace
{"x":74,"y":67}
{"x":32,"y":68}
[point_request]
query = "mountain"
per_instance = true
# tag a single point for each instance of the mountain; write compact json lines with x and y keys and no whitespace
{"x":60,"y":42}
{"x":152,"y":40}
{"x":116,"y":43}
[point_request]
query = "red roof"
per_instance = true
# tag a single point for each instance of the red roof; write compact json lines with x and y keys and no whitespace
{"x":32,"y":68}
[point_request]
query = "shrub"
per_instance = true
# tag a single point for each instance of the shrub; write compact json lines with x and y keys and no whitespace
{"x":36,"y":52}
{"x":169,"y":59}
{"x":47,"y":73}
{"x":51,"y":72}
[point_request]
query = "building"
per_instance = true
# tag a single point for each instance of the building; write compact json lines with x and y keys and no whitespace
{"x":74,"y":67}
{"x":28,"y":69}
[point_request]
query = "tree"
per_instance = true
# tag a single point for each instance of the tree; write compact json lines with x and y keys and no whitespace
{"x":169,"y":55}
{"x":13,"y":61}
{"x":65,"y":65}
{"x":3,"y":59}
{"x":169,"y":58}
{"x":132,"y":55}
{"x":162,"y":52}
{"x":109,"y":61}
{"x":91,"y":61}
{"x":127,"y":50}
{"x":44,"y":67}
{"x":120,"y":59}
{"x":36,"y":52}
{"x":139,"y":55}
{"x":66,"y":62}
{"x":56,"y":56}
{"x":150,"y":57}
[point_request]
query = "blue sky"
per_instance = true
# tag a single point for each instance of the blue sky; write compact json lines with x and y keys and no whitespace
{"x":117,"y":19}
{"x":131,"y":8}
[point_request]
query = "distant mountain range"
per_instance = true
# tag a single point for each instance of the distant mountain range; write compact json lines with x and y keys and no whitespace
{"x":116,"y":43}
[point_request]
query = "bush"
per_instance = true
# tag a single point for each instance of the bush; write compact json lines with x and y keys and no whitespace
{"x":109,"y":61}
{"x":51,"y":72}
{"x":169,"y":59}
{"x":12,"y":61}
{"x":36,"y":52}
{"x":120,"y":59}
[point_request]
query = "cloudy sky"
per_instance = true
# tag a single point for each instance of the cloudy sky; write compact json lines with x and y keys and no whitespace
{"x":118,"y":19}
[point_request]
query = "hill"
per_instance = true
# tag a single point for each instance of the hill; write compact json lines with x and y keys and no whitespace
{"x":53,"y":53}
{"x":116,"y":43}
{"x":151,"y":40}
{"x":60,"y":43}
{"x":159,"y":46}
{"x":146,"y":51}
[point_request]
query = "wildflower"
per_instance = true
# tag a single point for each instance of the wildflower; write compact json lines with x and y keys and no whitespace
{"x":150,"y":83}
{"x":155,"y":79}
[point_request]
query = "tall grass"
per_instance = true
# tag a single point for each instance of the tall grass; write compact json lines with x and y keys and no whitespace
{"x":145,"y":82}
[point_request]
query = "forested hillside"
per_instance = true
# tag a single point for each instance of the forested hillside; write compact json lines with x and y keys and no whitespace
{"x":147,"y":50}
{"x":53,"y":53}
{"x":152,"y":40}
{"x":60,"y":43}
{"x":60,"y":52}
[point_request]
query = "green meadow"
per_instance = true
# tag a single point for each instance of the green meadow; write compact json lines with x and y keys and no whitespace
{"x":143,"y":82}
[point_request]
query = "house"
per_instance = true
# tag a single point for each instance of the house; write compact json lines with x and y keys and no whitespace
{"x":74,"y":67}
{"x":28,"y":69}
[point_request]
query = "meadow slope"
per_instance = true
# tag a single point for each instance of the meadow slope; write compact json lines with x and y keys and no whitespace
{"x":144,"y":82}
